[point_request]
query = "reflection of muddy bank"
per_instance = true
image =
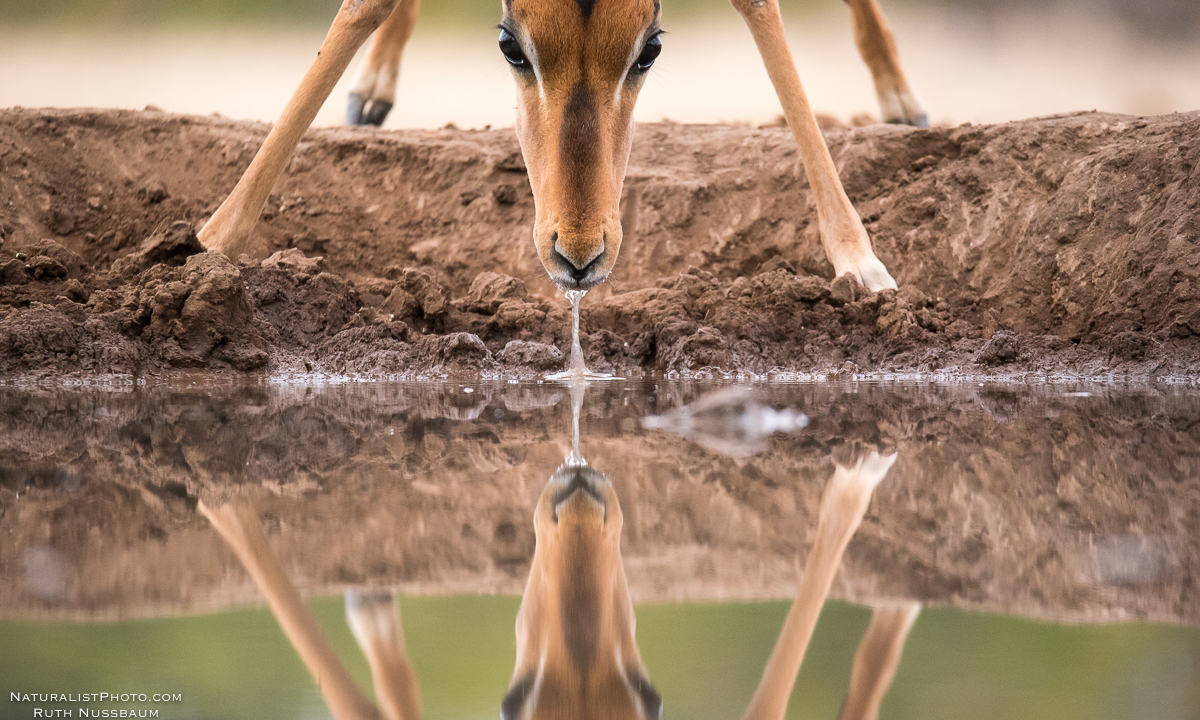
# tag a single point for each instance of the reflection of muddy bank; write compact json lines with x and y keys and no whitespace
{"x":1026,"y":501}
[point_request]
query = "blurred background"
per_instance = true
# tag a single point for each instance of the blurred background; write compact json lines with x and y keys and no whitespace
{"x":972,"y":60}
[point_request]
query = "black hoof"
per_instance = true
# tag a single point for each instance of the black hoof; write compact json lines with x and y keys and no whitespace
{"x":377,"y":112}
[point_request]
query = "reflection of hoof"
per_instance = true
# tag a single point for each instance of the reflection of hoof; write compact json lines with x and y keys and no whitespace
{"x":874,"y":467}
{"x":361,"y":110}
{"x":372,"y":616}
{"x":867,"y":473}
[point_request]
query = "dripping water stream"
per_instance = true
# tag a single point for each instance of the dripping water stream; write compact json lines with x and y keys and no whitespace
{"x":577,"y":369}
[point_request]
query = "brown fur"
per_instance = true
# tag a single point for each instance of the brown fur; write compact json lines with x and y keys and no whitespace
{"x":575,"y":124}
{"x":575,"y":628}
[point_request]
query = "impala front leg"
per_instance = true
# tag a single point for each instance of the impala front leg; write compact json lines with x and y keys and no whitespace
{"x":230,"y":227}
{"x":846,"y":243}
{"x":842,"y":507}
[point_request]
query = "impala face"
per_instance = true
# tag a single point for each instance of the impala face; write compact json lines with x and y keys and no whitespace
{"x":576,"y":654}
{"x":579,"y":65}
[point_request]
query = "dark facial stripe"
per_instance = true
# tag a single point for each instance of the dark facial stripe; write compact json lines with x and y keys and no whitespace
{"x":580,"y":608}
{"x":578,"y":145}
{"x":585,"y":7}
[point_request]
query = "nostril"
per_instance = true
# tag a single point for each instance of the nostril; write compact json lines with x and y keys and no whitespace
{"x":565,"y":263}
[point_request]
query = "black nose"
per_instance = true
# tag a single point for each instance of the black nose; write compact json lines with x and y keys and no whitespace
{"x":577,"y":273}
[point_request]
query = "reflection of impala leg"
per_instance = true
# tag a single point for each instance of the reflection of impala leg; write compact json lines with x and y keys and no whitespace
{"x":373,"y":91}
{"x":230,"y":226}
{"x":898,"y":102}
{"x":237,"y":523}
{"x":375,"y":622}
{"x":877,"y":658}
{"x":842,"y":508}
{"x":845,"y":239}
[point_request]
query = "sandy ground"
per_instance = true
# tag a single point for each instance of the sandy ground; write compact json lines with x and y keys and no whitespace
{"x":968,"y":67}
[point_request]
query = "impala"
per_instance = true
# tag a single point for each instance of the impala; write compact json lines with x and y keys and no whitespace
{"x":578,"y":67}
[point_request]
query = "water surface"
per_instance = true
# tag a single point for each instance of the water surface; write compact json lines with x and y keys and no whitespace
{"x":1048,"y":532}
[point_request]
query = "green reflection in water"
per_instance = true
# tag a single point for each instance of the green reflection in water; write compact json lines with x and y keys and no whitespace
{"x":705,"y":659}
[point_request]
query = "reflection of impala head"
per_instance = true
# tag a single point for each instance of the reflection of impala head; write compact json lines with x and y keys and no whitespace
{"x":579,"y":65}
{"x":576,"y":655}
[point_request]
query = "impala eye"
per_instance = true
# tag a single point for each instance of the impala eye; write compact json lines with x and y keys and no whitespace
{"x":649,"y":53}
{"x":512,"y":50}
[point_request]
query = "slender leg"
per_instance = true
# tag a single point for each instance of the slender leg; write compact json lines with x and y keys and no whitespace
{"x":877,"y":658}
{"x":898,"y":102}
{"x":375,"y":622}
{"x":230,"y":226}
{"x":845,"y":239}
{"x":237,"y":523}
{"x":373,"y":91}
{"x":842,"y":508}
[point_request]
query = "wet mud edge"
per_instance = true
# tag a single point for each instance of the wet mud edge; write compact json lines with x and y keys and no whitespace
{"x":1059,"y":246}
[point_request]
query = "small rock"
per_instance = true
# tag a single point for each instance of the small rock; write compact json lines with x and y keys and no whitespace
{"x":171,"y":247}
{"x":1128,"y":345}
{"x":432,"y":297}
{"x":13,"y":273}
{"x":775,"y":263}
{"x":62,"y":222}
{"x":845,"y":289}
{"x":531,"y":354}
{"x":809,"y":289}
{"x":153,"y":192}
{"x":73,"y":265}
{"x":490,"y":290}
{"x":293,"y":260}
{"x":459,"y":350}
{"x":374,"y":291}
{"x":1002,"y":348}
{"x":46,"y":268}
{"x":400,"y":305}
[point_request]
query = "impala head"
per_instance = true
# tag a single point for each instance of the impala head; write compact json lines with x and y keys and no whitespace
{"x":576,"y":656}
{"x":579,"y":65}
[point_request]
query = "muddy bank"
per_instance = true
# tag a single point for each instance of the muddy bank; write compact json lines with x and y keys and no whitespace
{"x":1027,"y":501}
{"x":1064,"y":245}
